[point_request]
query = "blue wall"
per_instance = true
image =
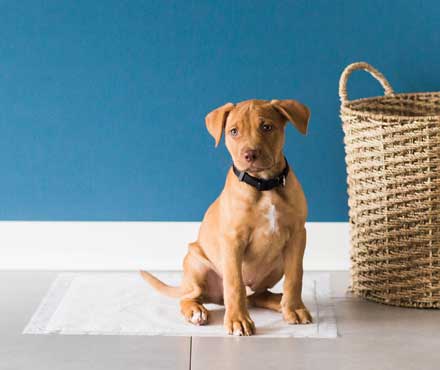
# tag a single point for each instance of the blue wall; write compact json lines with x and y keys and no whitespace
{"x":102,"y":104}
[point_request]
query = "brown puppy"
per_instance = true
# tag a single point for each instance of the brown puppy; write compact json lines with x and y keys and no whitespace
{"x":249,"y":238}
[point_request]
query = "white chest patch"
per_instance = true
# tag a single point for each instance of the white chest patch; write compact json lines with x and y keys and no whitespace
{"x":271,"y":216}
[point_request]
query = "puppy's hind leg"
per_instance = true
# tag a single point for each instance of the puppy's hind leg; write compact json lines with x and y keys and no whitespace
{"x":194,"y":312}
{"x":193,"y":284}
{"x":266,"y":299}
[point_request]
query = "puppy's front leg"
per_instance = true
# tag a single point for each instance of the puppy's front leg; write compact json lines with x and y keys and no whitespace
{"x":237,"y":320}
{"x":292,"y":306}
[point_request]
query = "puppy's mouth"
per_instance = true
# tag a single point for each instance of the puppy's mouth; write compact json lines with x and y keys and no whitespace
{"x":257,"y":167}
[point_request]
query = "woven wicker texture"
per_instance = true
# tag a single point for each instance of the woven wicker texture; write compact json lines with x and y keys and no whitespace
{"x":392,"y":146}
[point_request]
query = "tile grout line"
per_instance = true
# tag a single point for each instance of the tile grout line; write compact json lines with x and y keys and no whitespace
{"x":190,"y":351}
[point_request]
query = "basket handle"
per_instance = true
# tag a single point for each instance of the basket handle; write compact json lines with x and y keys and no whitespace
{"x":366,"y":67}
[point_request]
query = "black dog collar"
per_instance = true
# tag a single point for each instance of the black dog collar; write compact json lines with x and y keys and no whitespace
{"x":262,"y":184}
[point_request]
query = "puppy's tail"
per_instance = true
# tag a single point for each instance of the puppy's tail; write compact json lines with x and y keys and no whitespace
{"x":160,"y":286}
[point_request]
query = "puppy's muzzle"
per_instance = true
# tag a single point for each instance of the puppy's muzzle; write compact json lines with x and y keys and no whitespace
{"x":250,"y":155}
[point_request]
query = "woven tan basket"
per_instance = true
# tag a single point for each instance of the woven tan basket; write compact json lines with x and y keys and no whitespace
{"x":392,"y":146}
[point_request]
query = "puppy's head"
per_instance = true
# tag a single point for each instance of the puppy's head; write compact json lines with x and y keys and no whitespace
{"x":254,"y":130}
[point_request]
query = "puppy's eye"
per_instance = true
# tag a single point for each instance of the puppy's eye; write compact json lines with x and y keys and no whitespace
{"x":266,"y":127}
{"x":234,"y":132}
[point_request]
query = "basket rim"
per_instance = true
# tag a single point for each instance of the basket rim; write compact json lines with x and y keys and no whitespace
{"x":346,"y":107}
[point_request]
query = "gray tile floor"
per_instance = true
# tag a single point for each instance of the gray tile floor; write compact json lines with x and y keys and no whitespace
{"x":372,"y":336}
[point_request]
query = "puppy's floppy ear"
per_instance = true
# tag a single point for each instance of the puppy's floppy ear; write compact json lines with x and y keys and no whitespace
{"x":294,"y":112}
{"x":216,"y":120}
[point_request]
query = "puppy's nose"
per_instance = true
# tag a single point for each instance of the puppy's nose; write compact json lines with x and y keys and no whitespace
{"x":250,"y":155}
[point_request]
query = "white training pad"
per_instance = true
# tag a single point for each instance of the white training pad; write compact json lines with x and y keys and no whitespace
{"x":124,"y":304}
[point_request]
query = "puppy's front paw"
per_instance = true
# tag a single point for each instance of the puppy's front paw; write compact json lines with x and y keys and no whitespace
{"x":297,"y":316}
{"x":239,"y":323}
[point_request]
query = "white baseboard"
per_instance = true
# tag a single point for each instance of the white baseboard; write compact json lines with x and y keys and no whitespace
{"x":135,"y":245}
